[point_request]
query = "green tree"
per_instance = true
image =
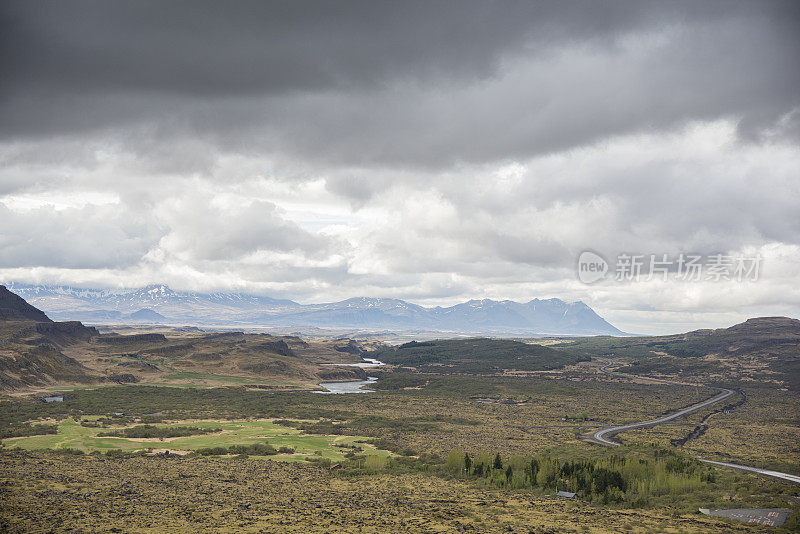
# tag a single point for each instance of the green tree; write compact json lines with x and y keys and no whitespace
{"x":455,"y":461}
{"x":498,"y":462}
{"x":533,"y":470}
{"x":467,"y":463}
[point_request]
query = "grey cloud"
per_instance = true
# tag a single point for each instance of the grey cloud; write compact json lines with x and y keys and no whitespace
{"x":88,"y":238}
{"x":199,"y":230}
{"x":197,"y":48}
{"x":394,"y":84}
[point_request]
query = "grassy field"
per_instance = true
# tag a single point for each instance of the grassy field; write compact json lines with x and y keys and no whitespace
{"x":71,"y":435}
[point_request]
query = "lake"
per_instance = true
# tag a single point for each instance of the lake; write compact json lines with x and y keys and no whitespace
{"x":347,"y":387}
{"x":352,"y":386}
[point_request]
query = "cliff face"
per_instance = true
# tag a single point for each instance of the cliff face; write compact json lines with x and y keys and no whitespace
{"x":66,"y":333}
{"x":30,"y":346}
{"x":14,"y":308}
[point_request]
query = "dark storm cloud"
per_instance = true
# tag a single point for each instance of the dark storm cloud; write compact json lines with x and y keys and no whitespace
{"x":220,"y":48}
{"x":408,"y":83}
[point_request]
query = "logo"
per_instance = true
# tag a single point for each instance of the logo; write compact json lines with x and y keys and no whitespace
{"x":591,"y":267}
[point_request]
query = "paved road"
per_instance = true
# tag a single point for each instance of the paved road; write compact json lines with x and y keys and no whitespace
{"x":604,"y":435}
{"x":766,"y":472}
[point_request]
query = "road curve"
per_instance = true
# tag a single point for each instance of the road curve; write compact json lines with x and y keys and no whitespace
{"x":604,"y":435}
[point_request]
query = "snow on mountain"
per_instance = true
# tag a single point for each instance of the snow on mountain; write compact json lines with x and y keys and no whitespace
{"x":110,"y":306}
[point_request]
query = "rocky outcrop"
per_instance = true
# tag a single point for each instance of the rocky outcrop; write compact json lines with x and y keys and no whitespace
{"x":343,"y":373}
{"x":134,"y":338}
{"x":276,"y":347}
{"x":38,"y":366}
{"x":67,"y":332}
{"x":139,"y":365}
{"x":123,"y":378}
{"x":352,"y":347}
{"x":14,"y":308}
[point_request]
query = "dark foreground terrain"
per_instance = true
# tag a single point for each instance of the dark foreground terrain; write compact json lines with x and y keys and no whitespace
{"x":46,"y":491}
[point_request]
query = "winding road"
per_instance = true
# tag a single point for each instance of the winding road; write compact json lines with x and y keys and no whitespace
{"x":604,"y":435}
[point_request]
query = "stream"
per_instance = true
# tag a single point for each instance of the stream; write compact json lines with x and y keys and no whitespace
{"x":351,"y":386}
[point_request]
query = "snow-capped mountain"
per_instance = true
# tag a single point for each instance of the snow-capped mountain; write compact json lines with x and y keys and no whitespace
{"x":111,"y":306}
{"x":162,"y":304}
{"x":363,"y":312}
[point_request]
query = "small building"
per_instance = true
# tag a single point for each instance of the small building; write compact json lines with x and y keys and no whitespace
{"x":565,"y":494}
{"x":54,"y":398}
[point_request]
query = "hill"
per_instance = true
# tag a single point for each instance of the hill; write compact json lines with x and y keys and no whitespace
{"x":476,"y":356}
{"x":146,"y":315}
{"x":14,"y":308}
{"x":762,"y":349}
{"x":31,"y":346}
{"x":218,"y":359}
{"x":475,"y":317}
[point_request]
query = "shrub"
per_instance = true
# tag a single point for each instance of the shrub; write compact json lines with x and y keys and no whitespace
{"x":28,"y":430}
{"x":375,"y":463}
{"x":151,"y":431}
{"x":69,"y":451}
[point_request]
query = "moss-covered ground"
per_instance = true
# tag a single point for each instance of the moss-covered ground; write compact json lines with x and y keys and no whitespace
{"x":72,"y":435}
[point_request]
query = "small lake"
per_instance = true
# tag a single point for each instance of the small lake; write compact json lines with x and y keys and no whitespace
{"x":351,"y":386}
{"x":347,"y":387}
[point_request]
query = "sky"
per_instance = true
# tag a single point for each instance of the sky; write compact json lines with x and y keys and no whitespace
{"x":430,"y":151}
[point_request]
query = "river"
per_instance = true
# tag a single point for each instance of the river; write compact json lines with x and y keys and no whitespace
{"x":347,"y":387}
{"x":366,"y":364}
{"x":351,"y":386}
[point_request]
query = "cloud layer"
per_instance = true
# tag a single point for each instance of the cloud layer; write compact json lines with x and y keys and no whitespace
{"x":429,"y":151}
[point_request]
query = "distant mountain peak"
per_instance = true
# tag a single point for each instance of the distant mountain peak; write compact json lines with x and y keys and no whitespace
{"x":159,"y":289}
{"x":146,"y":315}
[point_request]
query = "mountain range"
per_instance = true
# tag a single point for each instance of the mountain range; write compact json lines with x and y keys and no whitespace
{"x":160,"y":304}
